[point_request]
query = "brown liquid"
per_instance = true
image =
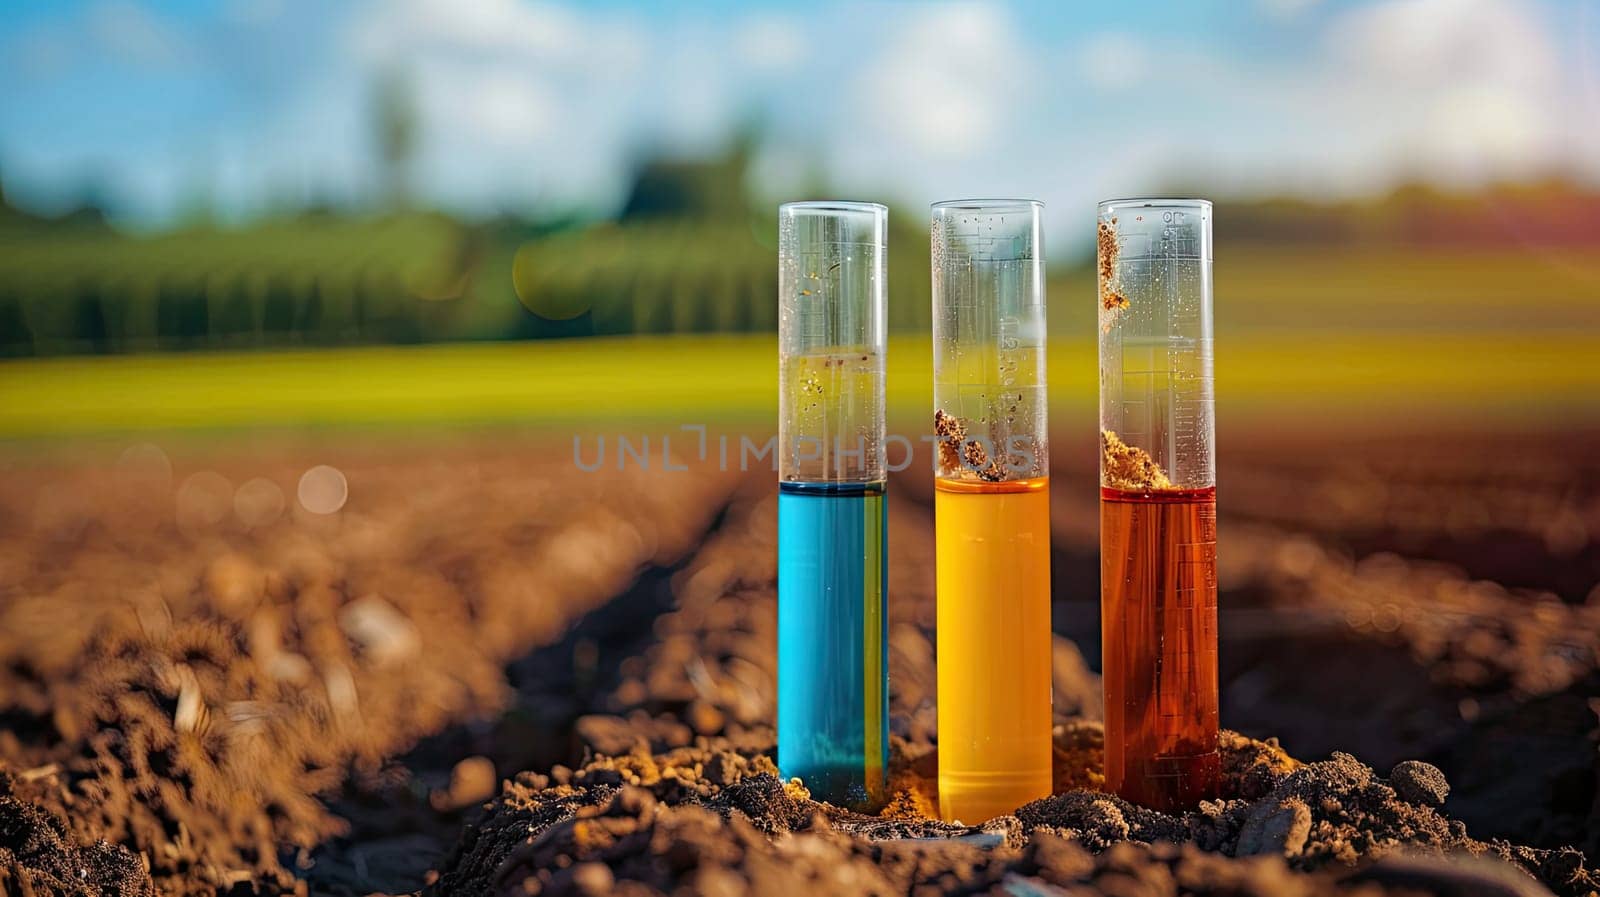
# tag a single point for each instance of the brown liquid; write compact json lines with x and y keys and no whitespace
{"x":1158,"y":619}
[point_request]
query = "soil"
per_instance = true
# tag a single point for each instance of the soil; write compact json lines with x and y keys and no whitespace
{"x":705,"y":817}
{"x":38,"y":854}
{"x":1129,"y":468}
{"x":1107,"y":248}
{"x":486,"y":674}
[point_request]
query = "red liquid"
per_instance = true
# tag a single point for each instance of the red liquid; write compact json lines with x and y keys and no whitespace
{"x":1158,"y":619}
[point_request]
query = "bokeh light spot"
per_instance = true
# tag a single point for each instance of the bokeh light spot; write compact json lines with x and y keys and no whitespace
{"x":323,"y":489}
{"x":545,"y":299}
{"x":204,"y":500}
{"x":145,"y":464}
{"x":258,"y":502}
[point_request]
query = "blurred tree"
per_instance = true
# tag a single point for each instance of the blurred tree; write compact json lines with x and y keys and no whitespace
{"x":197,"y":208}
{"x":8,"y":215}
{"x":90,"y":215}
{"x":694,"y":188}
{"x":395,"y":123}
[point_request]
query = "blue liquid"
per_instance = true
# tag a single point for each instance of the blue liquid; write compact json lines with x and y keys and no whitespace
{"x":833,"y":651}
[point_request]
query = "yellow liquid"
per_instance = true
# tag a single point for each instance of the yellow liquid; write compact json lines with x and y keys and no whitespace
{"x":993,"y":569}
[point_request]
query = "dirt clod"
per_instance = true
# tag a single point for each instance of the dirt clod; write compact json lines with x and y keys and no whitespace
{"x":1280,"y":828}
{"x":1419,"y":783}
{"x":1129,"y":467}
{"x":1315,"y":818}
{"x":39,"y":857}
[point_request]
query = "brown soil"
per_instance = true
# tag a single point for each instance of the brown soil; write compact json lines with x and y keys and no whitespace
{"x":705,"y":818}
{"x":1106,"y":251}
{"x":195,"y":688}
{"x":515,"y":677}
{"x":961,"y":458}
{"x":39,"y":855}
{"x":1128,"y":467}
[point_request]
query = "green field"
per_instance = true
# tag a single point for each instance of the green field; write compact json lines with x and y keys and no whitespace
{"x":1359,"y":378}
{"x":1373,"y":336}
{"x":320,"y":281}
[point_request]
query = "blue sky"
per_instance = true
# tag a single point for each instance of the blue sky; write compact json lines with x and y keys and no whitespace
{"x":261,"y":103}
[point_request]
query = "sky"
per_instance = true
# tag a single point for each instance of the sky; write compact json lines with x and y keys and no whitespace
{"x":252,"y":105}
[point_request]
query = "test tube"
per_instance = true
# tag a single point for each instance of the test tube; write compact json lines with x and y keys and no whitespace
{"x":1158,"y":501}
{"x":833,"y":656}
{"x":991,"y":507}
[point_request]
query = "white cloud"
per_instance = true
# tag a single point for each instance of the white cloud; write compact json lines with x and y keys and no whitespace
{"x":1438,"y":42}
{"x":515,"y":98}
{"x":1455,"y":91}
{"x":484,"y":28}
{"x":526,"y":100}
{"x":1113,"y":61}
{"x":494,"y":108}
{"x":947,"y":83}
{"x":1470,"y":88}
{"x":769,"y":42}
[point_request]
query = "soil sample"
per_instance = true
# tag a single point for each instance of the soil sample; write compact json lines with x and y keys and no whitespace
{"x":993,"y":559}
{"x":1158,"y":511}
{"x":1158,"y":569}
{"x":991,"y":508}
{"x":833,"y":650}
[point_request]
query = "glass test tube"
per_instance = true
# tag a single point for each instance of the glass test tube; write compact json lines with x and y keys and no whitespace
{"x":833,"y":656}
{"x":1158,"y":501}
{"x":991,"y":507}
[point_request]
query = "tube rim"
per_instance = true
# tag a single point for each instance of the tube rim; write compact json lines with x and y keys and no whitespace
{"x":1158,"y":202}
{"x":833,"y":205}
{"x":986,"y":205}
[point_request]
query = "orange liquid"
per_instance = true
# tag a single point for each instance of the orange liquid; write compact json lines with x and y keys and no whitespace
{"x":1158,"y":618}
{"x":993,"y":642}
